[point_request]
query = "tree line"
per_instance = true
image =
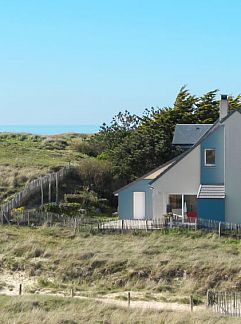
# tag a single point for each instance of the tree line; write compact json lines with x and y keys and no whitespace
{"x":135,"y":144}
{"x":132,"y":145}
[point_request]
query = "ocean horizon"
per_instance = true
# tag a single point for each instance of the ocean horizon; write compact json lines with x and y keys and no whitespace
{"x":49,"y":129}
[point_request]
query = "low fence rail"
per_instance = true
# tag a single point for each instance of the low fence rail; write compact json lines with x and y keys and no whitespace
{"x":38,"y":218}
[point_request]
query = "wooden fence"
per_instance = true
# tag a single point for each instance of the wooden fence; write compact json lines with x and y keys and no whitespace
{"x":225,"y":303}
{"x":221,"y":228}
{"x":32,"y":187}
{"x":38,"y":218}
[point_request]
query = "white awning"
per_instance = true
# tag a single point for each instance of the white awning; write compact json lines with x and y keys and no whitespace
{"x":211,"y":192}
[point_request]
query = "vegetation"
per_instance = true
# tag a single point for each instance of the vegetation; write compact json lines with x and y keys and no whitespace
{"x":137,"y":144}
{"x":24,"y":157}
{"x":171,"y":266}
{"x":57,"y":310}
{"x":154,"y":266}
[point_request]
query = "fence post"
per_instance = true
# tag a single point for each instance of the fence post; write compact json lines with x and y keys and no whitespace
{"x":57,"y":187}
{"x":129,"y":299}
{"x":20,"y":290}
{"x":171,"y":223}
{"x":191,"y":303}
{"x":122,"y":224}
{"x":72,"y":292}
{"x":219,"y":229}
{"x":50,"y":176}
{"x":208,"y":296}
{"x":42,"y":191}
{"x":28,"y":219}
{"x":146,"y":225}
{"x":195,"y":224}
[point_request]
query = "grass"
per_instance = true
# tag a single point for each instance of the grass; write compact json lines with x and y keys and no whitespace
{"x":156,"y":266}
{"x":168,"y":267}
{"x":50,"y":310}
{"x":25,"y":156}
{"x":34,"y":150}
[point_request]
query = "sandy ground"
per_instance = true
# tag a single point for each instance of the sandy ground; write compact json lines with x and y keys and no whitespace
{"x":10,"y":282}
{"x":150,"y":305}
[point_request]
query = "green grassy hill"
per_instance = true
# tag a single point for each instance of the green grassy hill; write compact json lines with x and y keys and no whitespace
{"x":24,"y":157}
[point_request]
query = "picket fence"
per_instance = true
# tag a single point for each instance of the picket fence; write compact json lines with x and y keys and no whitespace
{"x":32,"y":187}
{"x":38,"y":218}
{"x":226,"y":303}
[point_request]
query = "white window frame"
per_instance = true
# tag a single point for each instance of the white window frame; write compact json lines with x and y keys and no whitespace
{"x":205,"y":157}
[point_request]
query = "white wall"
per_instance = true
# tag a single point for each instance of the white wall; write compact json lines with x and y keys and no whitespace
{"x":233,"y":168}
{"x":182,"y":178}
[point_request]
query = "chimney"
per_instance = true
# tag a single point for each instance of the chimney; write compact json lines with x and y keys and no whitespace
{"x":223,"y":108}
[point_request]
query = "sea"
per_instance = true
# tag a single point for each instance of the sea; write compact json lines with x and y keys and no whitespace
{"x":50,"y":129}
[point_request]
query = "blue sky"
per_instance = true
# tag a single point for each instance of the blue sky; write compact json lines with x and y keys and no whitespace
{"x":81,"y":62}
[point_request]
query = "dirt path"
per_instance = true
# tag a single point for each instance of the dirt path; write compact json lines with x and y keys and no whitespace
{"x":149,"y":305}
{"x":11,"y":288}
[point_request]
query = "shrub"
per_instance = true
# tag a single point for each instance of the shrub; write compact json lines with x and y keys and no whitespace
{"x":85,"y":198}
{"x":88,"y":146}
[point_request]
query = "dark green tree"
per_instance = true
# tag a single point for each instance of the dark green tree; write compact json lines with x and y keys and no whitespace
{"x":207,"y":108}
{"x":234,"y":102}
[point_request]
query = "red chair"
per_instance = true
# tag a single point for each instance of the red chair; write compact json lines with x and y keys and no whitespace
{"x":192,"y":214}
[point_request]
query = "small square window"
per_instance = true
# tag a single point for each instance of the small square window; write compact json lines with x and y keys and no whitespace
{"x":210,"y":157}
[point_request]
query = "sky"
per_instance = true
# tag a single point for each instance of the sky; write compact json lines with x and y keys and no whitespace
{"x":81,"y":62}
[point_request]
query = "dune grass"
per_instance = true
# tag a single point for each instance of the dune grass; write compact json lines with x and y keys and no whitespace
{"x":33,"y":150}
{"x":24,"y":157}
{"x":53,"y":310}
{"x":167,"y":267}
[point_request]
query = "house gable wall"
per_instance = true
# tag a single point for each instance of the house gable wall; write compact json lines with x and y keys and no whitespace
{"x":125,"y":199}
{"x":233,"y":168}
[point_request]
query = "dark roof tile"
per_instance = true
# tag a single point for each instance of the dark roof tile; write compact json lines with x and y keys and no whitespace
{"x":189,"y":134}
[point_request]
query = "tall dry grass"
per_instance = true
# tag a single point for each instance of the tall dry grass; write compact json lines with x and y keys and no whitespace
{"x":50,"y":310}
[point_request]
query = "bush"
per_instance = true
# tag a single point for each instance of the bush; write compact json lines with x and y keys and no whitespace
{"x":52,"y":208}
{"x":89,"y":147}
{"x":54,"y":144}
{"x":70,"y":209}
{"x":85,"y":198}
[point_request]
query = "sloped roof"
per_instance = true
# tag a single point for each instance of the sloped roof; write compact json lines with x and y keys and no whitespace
{"x":211,"y":191}
{"x":155,"y":173}
{"x":189,"y":134}
{"x":150,"y":175}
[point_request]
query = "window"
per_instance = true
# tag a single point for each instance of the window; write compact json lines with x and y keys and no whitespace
{"x":175,"y":204}
{"x":210,"y":157}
